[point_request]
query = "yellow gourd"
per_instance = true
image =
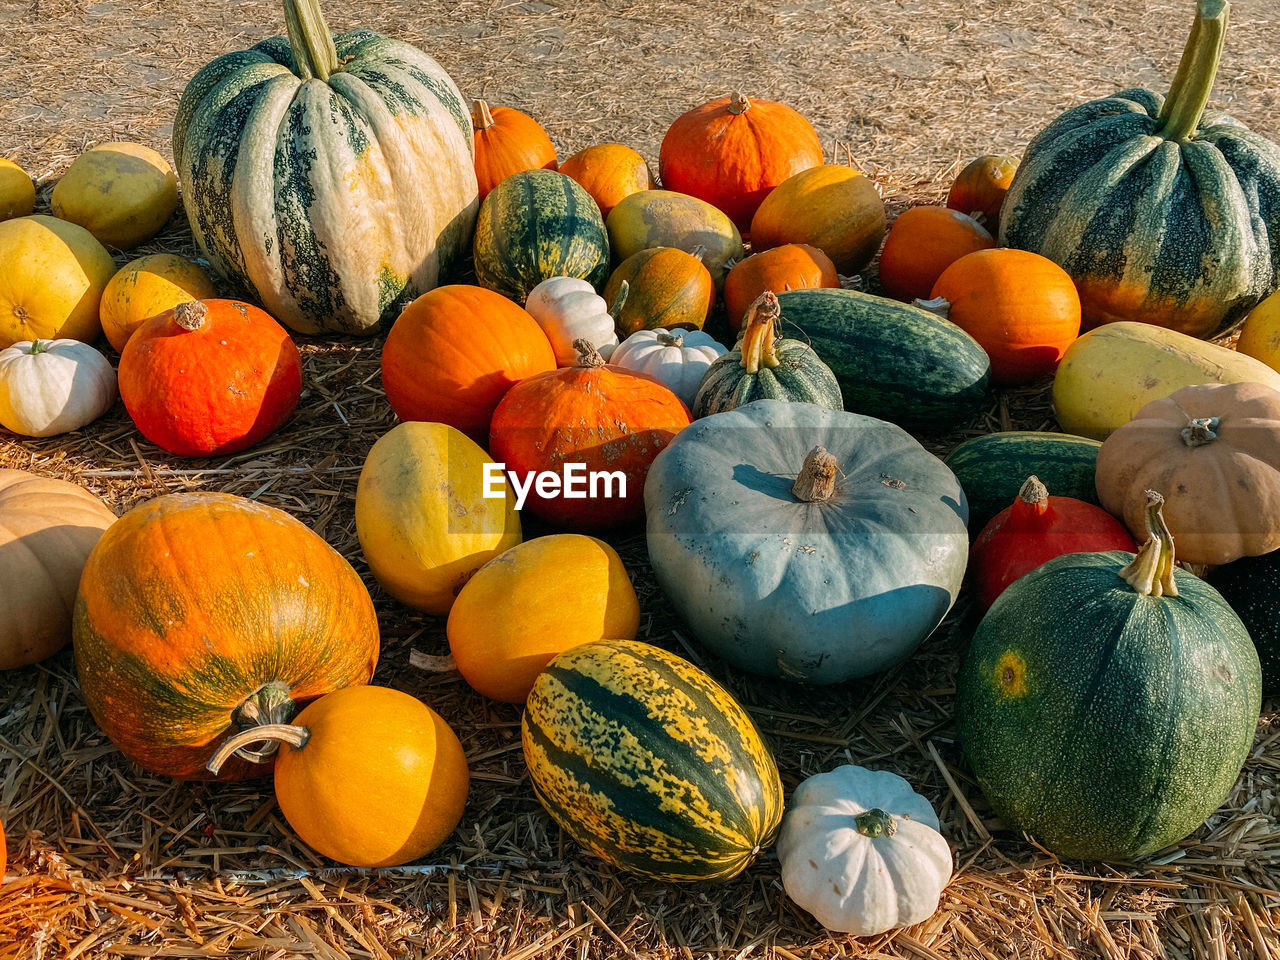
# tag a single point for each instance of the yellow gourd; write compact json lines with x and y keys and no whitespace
{"x":122,"y":193}
{"x":1260,"y":335}
{"x":147,"y":287}
{"x":832,"y":207}
{"x":17,"y":191}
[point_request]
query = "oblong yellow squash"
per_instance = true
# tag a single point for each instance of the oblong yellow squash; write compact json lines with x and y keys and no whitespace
{"x":146,"y":287}
{"x":122,"y":193}
{"x":17,"y":191}
{"x":663,"y":218}
{"x":422,"y":518}
{"x":1114,"y":370}
{"x":831,"y":207}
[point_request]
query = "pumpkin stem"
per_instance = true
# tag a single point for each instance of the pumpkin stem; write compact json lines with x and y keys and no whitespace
{"x":1031,"y":508}
{"x":817,"y":479}
{"x":190,"y":315}
{"x":758,"y":337}
{"x":1033,"y":491}
{"x":38,"y":346}
{"x":1200,"y":430}
{"x":615,"y":308}
{"x":876,"y":823}
{"x":939,"y":306}
{"x":698,"y":252}
{"x":310,"y":39}
{"x":271,"y":704}
{"x":274,"y":733}
{"x":670,"y":339}
{"x":481,"y":115}
{"x":588,"y":355}
{"x":739,"y":104}
{"x":1151,"y":571}
{"x":1189,"y":94}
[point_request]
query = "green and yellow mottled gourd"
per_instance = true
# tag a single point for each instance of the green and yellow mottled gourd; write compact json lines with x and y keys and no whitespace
{"x":332,"y":175}
{"x":649,"y":763}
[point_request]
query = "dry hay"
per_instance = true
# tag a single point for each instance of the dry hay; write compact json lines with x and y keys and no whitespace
{"x":107,"y":861}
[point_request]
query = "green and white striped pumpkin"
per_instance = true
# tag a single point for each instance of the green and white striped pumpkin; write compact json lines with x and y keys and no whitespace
{"x":1160,"y":211}
{"x":334,"y":176}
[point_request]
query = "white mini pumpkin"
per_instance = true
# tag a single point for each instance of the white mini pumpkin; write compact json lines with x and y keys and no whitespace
{"x":861,"y":851}
{"x":679,"y":358}
{"x":569,"y":309}
{"x":49,"y":387}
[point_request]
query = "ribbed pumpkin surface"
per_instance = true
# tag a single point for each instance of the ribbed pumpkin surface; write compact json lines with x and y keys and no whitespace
{"x":650,"y":764}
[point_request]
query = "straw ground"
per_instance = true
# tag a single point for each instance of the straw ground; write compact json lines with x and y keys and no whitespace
{"x":110,"y":862}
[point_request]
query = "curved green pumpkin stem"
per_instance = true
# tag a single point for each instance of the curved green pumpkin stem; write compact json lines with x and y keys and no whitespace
{"x":273,"y":733}
{"x":310,"y":39}
{"x":876,"y":823}
{"x":758,"y":337}
{"x":38,"y":346}
{"x":1189,"y":94}
{"x":1151,"y":572}
{"x":615,"y":308}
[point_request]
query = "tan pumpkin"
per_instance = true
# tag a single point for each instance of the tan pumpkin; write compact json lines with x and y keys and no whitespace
{"x":609,"y":172}
{"x":666,"y":288}
{"x":47,"y":530}
{"x":831,"y":207}
{"x":1214,"y":451}
{"x":147,"y":287}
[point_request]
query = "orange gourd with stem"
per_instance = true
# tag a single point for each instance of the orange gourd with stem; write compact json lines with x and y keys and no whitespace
{"x":506,"y":142}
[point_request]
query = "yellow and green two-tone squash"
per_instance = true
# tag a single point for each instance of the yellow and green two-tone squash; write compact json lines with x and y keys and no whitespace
{"x":649,"y":763}
{"x":535,"y":225}
{"x":1160,"y":211}
{"x":333,"y":176}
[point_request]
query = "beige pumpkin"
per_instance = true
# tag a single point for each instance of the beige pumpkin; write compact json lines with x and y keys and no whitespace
{"x":147,"y":287}
{"x":122,"y":193}
{"x":49,"y":387}
{"x":47,"y":530}
{"x":52,"y":274}
{"x":17,"y":191}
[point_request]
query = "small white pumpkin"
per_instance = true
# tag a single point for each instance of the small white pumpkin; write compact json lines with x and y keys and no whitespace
{"x":861,"y":851}
{"x":49,"y":387}
{"x":569,"y":309}
{"x":679,"y":358}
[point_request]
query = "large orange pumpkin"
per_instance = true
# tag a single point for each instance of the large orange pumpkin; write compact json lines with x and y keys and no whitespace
{"x":507,"y":141}
{"x":199,"y":613}
{"x":454,"y":351}
{"x":666,"y":288}
{"x":831,"y":207}
{"x":923,"y":242}
{"x":1022,"y":309}
{"x":793,"y":266}
{"x":610,"y":420}
{"x":980,"y":188}
{"x":732,"y":151}
{"x":609,"y":172}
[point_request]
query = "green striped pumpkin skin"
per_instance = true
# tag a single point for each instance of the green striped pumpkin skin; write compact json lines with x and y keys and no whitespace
{"x":535,"y":225}
{"x":992,"y":469}
{"x":336,"y":202}
{"x":892,"y":361}
{"x":800,"y":377}
{"x":649,"y":763}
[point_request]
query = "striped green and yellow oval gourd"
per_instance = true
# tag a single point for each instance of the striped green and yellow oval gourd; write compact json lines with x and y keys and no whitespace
{"x":535,"y":225}
{"x":649,"y":763}
{"x":331,"y":175}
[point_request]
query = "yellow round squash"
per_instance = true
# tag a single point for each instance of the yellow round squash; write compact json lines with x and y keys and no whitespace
{"x":422,"y":518}
{"x":537,"y":600}
{"x":146,"y":287}
{"x":1260,"y":335}
{"x":17,"y":191}
{"x":832,"y":207}
{"x":1113,"y":371}
{"x":663,"y":218}
{"x":122,"y":193}
{"x":52,"y":274}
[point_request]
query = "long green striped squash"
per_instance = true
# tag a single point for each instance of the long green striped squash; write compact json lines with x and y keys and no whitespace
{"x":893,"y":361}
{"x":334,"y":176}
{"x":1160,"y":211}
{"x":649,"y":763}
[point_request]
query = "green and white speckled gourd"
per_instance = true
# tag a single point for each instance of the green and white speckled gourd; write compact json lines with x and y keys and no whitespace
{"x":1160,"y":211}
{"x":334,"y":176}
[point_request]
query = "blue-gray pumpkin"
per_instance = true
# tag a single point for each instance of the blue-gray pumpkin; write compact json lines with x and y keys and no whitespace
{"x":805,"y":543}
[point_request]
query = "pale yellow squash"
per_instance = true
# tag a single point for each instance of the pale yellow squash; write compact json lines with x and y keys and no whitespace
{"x":423,"y":521}
{"x":831,"y":207}
{"x":122,"y":193}
{"x":663,"y":218}
{"x":52,"y":274}
{"x":1112,"y":371}
{"x":531,"y":604}
{"x":17,"y":191}
{"x":1260,"y":335}
{"x":147,"y":287}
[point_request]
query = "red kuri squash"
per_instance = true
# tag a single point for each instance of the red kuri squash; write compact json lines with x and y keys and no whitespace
{"x":507,"y":141}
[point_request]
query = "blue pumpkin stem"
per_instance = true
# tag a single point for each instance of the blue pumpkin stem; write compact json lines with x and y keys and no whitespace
{"x":1189,"y":94}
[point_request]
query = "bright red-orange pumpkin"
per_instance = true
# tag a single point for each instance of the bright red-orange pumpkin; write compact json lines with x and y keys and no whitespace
{"x":610,"y":172}
{"x":210,"y":377}
{"x":732,"y":151}
{"x":1035,"y":529}
{"x":454,"y":352}
{"x":1022,"y":308}
{"x":792,"y":266}
{"x":602,"y":416}
{"x":980,"y":189}
{"x":923,"y":242}
{"x":507,"y":141}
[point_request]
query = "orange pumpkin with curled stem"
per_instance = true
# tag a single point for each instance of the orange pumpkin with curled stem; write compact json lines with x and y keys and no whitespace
{"x":506,"y":142}
{"x":792,"y":266}
{"x":610,"y":172}
{"x":980,"y":188}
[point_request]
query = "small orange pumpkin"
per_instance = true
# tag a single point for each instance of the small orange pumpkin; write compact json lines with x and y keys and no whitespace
{"x":1022,"y":308}
{"x":923,"y":242}
{"x":609,"y":172}
{"x":793,"y":266}
{"x":507,"y":141}
{"x":980,"y":188}
{"x":666,"y":288}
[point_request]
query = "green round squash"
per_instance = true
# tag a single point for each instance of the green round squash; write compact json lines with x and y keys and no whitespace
{"x":334,"y":176}
{"x":1160,"y":211}
{"x":1252,"y":586}
{"x":762,"y":367}
{"x":535,"y":225}
{"x":649,"y":763}
{"x":1107,"y":703}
